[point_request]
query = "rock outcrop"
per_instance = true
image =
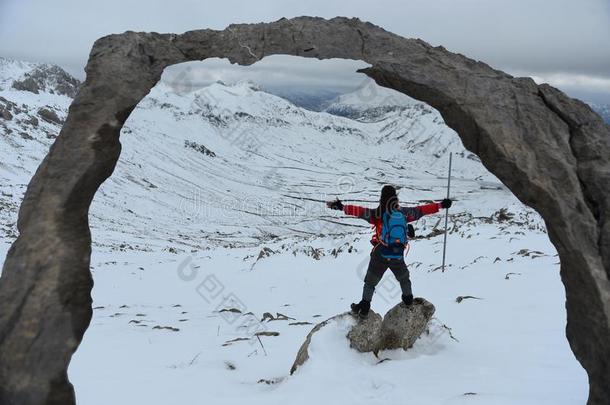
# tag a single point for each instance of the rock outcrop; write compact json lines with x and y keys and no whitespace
{"x":399,"y":328}
{"x":5,"y":114}
{"x":49,"y":78}
{"x":552,"y":151}
{"x":363,"y":335}
{"x":403,"y":325}
{"x":6,"y":107}
{"x":49,"y":116}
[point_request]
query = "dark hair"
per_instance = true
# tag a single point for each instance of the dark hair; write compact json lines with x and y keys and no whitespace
{"x":388,"y":200}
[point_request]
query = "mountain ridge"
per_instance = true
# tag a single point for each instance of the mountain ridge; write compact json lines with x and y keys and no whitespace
{"x":37,"y":78}
{"x":269,"y":153}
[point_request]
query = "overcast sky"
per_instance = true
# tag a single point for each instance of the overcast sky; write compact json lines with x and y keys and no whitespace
{"x":566,"y":43}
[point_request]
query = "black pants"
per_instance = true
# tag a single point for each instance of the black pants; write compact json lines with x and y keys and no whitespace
{"x":377,"y":266}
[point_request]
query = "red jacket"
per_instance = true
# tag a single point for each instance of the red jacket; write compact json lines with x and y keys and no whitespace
{"x":368,"y":214}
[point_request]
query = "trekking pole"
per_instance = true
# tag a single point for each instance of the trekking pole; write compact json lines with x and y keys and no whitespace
{"x":447,"y":213}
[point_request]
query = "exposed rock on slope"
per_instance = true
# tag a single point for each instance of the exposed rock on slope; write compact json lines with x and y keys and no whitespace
{"x":49,"y":116}
{"x":403,"y":325}
{"x":364,"y":336}
{"x":400,"y":328}
{"x":48,"y":78}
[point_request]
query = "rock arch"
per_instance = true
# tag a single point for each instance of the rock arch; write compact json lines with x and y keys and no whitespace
{"x":552,"y":151}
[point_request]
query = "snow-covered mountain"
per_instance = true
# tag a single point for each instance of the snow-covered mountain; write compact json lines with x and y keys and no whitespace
{"x":214,"y":216}
{"x":36,"y":78}
{"x":276,"y":159}
{"x":370,"y":102}
{"x":190,"y":158}
{"x":314,"y":99}
{"x":29,"y":122}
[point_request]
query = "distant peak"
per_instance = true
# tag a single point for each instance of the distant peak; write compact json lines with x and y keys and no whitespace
{"x":370,"y":102}
{"x":369,"y":94}
{"x":36,"y":78}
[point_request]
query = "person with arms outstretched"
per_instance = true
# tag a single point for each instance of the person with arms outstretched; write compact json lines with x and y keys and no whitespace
{"x":390,"y":222}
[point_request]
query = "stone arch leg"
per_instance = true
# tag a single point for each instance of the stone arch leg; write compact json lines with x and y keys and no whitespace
{"x":553,"y":152}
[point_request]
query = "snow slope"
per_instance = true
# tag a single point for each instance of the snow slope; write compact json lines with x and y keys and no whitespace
{"x":216,"y":203}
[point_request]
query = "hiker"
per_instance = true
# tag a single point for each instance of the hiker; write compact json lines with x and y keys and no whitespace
{"x":390,"y":221}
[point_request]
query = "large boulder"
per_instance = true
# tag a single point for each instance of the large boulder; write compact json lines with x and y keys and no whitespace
{"x":403,"y":325}
{"x":49,"y":116}
{"x":364,"y":335}
{"x":399,"y":328}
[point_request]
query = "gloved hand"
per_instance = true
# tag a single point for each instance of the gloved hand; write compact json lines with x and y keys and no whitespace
{"x":410,"y":231}
{"x":446,"y":203}
{"x":335,"y":205}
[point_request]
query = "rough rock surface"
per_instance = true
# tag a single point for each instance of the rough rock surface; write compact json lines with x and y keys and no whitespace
{"x":33,"y":121}
{"x":403,"y":325}
{"x":364,"y":336}
{"x":48,"y":78}
{"x":552,"y":151}
{"x":5,"y":114}
{"x":399,"y":328}
{"x":49,"y":116}
{"x":5,"y":109}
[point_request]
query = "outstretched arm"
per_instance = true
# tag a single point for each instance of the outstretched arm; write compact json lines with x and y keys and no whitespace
{"x":415,"y":213}
{"x":352,"y":210}
{"x":357,"y":211}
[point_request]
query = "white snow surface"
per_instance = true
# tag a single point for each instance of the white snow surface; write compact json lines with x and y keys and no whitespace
{"x":11,"y":70}
{"x":179,"y":235}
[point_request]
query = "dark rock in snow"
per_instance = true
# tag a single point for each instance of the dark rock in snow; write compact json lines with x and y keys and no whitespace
{"x":199,"y":148}
{"x":49,"y":116}
{"x":542,"y":144}
{"x":27,"y":84}
{"x":48,"y":78}
{"x":267,"y":333}
{"x":403,"y":325}
{"x":5,"y":109}
{"x":400,"y":328}
{"x":30,"y":120}
{"x":33,"y":121}
{"x":5,"y":114}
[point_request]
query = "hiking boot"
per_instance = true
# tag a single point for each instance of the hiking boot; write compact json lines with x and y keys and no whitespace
{"x":361,"y":309}
{"x":407,"y":299}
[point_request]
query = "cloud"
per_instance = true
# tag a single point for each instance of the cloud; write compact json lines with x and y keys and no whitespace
{"x":589,"y":88}
{"x":275,"y":71}
{"x":575,"y":81}
{"x":536,"y":37}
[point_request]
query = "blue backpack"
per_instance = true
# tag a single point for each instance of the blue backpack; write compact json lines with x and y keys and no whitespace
{"x":394,"y":235}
